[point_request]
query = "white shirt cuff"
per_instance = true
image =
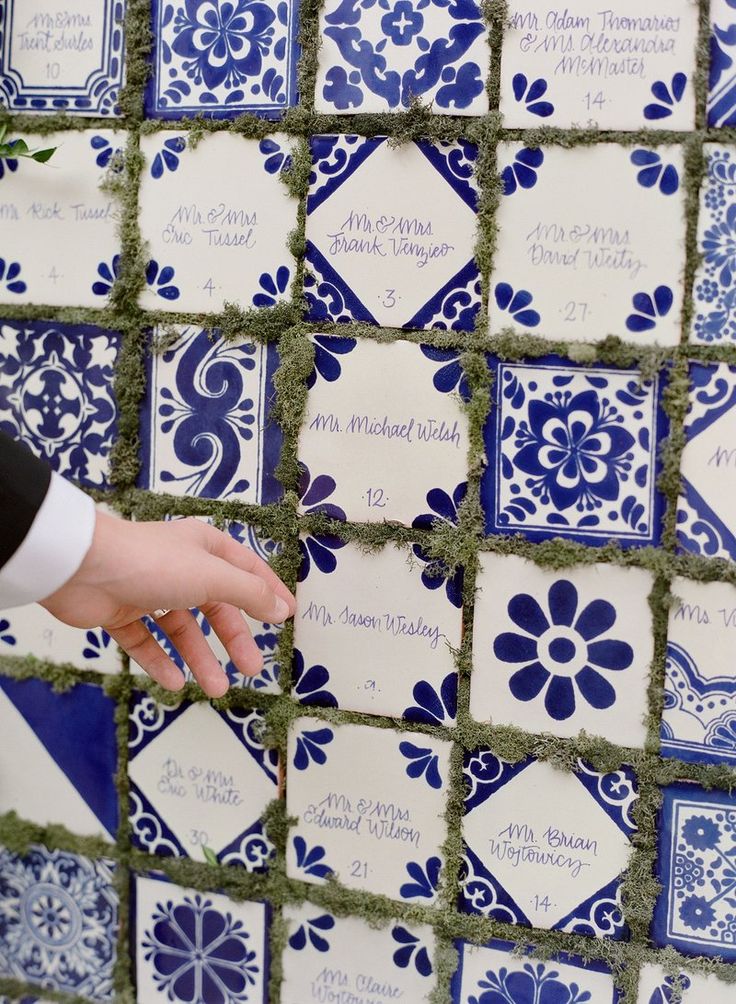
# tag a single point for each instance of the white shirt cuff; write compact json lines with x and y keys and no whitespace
{"x":54,"y":547}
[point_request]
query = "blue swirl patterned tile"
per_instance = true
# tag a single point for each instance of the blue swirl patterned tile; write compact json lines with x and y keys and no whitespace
{"x":722,"y":75}
{"x":714,"y":289}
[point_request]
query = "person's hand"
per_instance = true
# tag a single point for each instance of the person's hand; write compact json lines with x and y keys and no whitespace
{"x":134,"y":569}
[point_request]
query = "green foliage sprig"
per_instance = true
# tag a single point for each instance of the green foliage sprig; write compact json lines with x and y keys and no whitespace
{"x":19,"y":148}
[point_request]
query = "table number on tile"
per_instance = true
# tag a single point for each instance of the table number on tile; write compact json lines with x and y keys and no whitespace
{"x":658,"y":987}
{"x":381,"y":830}
{"x":31,"y":630}
{"x":573,"y":264}
{"x":714,"y":289}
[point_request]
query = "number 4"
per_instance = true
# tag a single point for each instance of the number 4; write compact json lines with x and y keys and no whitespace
{"x":209,"y":286}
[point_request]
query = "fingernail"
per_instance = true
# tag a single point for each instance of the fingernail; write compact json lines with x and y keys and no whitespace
{"x":281,"y":610}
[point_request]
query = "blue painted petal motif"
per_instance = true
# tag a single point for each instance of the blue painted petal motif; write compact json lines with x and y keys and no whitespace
{"x":534,"y":983}
{"x":273,"y":288}
{"x":424,"y":763}
{"x":411,"y":948}
{"x":318,"y":549}
{"x":517,"y":304}
{"x":97,"y":642}
{"x":649,"y":308}
{"x":667,"y":97}
{"x":9,"y":277}
{"x":160,"y":280}
{"x":654,"y":173}
{"x":309,"y":747}
{"x":431,"y":707}
{"x":425,"y":879}
{"x":5,"y":632}
{"x":311,"y":860}
{"x":276,"y":159}
{"x":107,"y":276}
{"x":106,"y":154}
{"x":326,"y":364}
{"x":450,"y":376}
{"x":444,"y":508}
{"x":308,"y":932}
{"x":522,"y":173}
{"x":309,"y":684}
{"x":167,"y":159}
{"x":531,"y":95}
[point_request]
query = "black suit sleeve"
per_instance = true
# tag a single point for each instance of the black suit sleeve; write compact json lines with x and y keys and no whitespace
{"x":24,"y":482}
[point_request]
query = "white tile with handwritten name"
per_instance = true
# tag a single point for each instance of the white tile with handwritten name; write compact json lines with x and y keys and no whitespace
{"x":657,"y":986}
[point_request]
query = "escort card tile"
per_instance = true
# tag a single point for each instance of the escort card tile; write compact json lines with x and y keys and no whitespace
{"x":576,"y":265}
{"x":31,"y":630}
{"x":573,"y":452}
{"x":384,"y":433}
{"x":375,"y":632}
{"x":344,"y":958}
{"x":44,"y":730}
{"x":561,"y":651}
{"x":630,"y":66}
{"x":391,"y":232}
{"x":696,"y":846}
{"x":714,"y":290}
{"x":62,"y":55}
{"x":47,"y":209}
{"x":657,"y":987}
{"x":216,"y":218}
{"x":192,"y":945}
{"x":203,"y":801}
{"x":546,"y":848}
{"x":722,"y":78}
{"x":379,"y":830}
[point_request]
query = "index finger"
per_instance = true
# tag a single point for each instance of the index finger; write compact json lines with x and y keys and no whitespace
{"x":222,"y":545}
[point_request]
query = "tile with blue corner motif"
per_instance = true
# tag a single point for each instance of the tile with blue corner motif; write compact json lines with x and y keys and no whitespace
{"x":375,"y":632}
{"x":497,"y":974}
{"x":216,"y":218}
{"x":659,"y":987}
{"x":574,"y":451}
{"x":203,"y":801}
{"x":220,"y":58}
{"x":574,"y":264}
{"x":378,"y":57}
{"x":384,"y":429}
{"x":46,"y":210}
{"x":62,"y":56}
{"x":547,"y":848}
{"x":722,"y":72}
{"x":696,"y":837}
{"x":714,"y":289}
{"x":379,"y":830}
{"x":330,"y":958}
{"x":191,"y":945}
{"x":65,"y":744}
{"x":630,"y":65}
{"x":390,"y":233}
{"x":559,"y":651}
{"x":32,"y":630}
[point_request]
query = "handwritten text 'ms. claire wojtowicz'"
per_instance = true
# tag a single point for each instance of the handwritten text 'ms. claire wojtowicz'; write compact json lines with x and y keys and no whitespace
{"x":338,"y":986}
{"x":388,"y":236}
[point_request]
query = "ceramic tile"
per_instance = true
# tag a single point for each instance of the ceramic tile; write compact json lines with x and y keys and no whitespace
{"x":187,"y":802}
{"x":46,"y":210}
{"x":545,"y":848}
{"x":216,"y":219}
{"x":628,"y":66}
{"x":714,"y":289}
{"x":62,"y":56}
{"x":381,"y":830}
{"x":198,"y":946}
{"x":345,"y":959}
{"x":722,"y":77}
{"x":561,"y":651}
{"x":706,"y":509}
{"x":45,"y":731}
{"x":361,"y":617}
{"x":379,"y":57}
{"x":656,"y":987}
{"x":601,"y":483}
{"x":576,"y":265}
{"x":696,"y":845}
{"x":31,"y":630}
{"x":206,"y":427}
{"x":385,"y":435}
{"x":391,"y":233}
{"x":59,"y":921}
{"x":247,"y":65}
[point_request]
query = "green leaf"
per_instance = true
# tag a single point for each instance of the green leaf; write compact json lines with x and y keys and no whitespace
{"x":210,"y":856}
{"x":19,"y":147}
{"x":3,"y":130}
{"x":43,"y":156}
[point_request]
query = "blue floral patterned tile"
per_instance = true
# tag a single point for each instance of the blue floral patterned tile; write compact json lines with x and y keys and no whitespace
{"x":391,"y":233}
{"x":379,"y":830}
{"x":57,"y":58}
{"x":200,"y":801}
{"x":658,"y":987}
{"x":561,"y":651}
{"x":59,"y":921}
{"x":714,"y":289}
{"x":45,"y":731}
{"x":574,"y":452}
{"x":377,"y":57}
{"x":722,"y":78}
{"x":696,"y":845}
{"x":545,"y":848}
{"x":576,"y":265}
{"x":197,"y":946}
{"x":206,"y":426}
{"x":220,"y":58}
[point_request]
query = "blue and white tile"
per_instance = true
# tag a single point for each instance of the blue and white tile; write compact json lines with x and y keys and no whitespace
{"x":390,"y":233}
{"x":216,"y":218}
{"x":206,"y":425}
{"x":714,"y":289}
{"x":696,"y":847}
{"x":546,"y":848}
{"x":59,"y":921}
{"x":247,"y":64}
{"x":198,"y":946}
{"x":62,"y":57}
{"x":722,"y":76}
{"x":378,"y":57}
{"x":202,"y":800}
{"x":360,"y":615}
{"x":385,"y":427}
{"x":658,"y":987}
{"x":345,"y":958}
{"x":573,"y":451}
{"x":47,"y":209}
{"x":575,"y":265}
{"x":379,"y":830}
{"x":628,"y":66}
{"x":562,"y":651}
{"x":31,"y":630}
{"x":44,"y":776}
{"x":496,"y":974}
